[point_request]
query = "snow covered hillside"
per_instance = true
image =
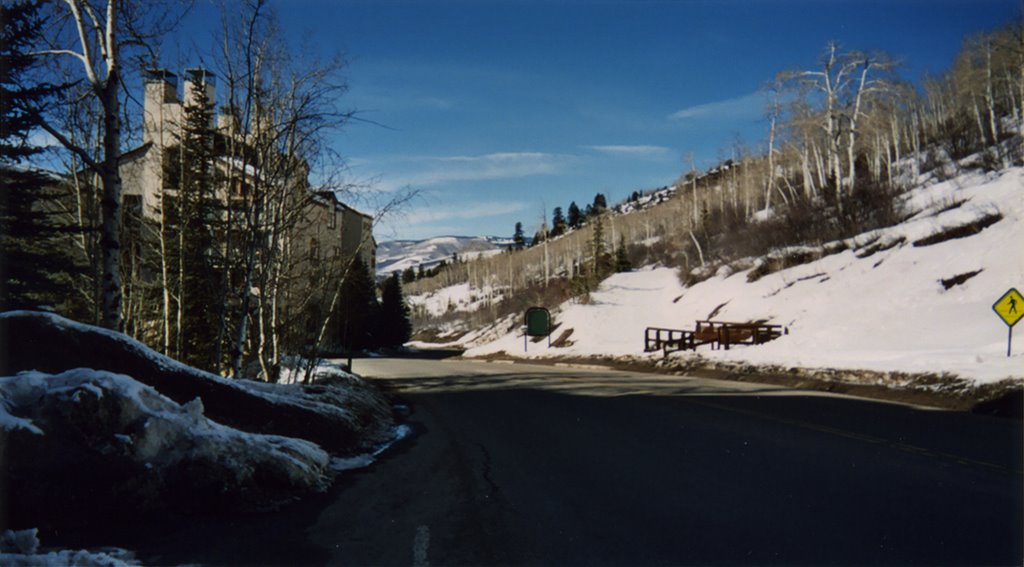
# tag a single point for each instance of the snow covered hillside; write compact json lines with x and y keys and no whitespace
{"x":913,"y":298}
{"x":400,"y":255}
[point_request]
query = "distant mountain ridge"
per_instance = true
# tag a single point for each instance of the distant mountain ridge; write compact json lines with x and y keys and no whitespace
{"x":400,"y":255}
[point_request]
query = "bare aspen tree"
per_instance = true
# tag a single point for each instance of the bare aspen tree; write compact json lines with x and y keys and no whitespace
{"x":97,"y":48}
{"x":865,"y":87}
{"x":92,"y":36}
{"x":773,"y":113}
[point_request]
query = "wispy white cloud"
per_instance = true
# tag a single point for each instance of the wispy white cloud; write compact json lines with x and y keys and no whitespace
{"x":470,"y":211}
{"x":743,"y":105}
{"x":632,"y":150}
{"x":433,"y":171}
{"x":432,"y":220}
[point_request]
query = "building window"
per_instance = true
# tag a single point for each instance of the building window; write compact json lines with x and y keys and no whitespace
{"x":332,"y":219}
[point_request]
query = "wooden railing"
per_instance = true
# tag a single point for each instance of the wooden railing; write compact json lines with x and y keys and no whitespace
{"x":718,"y":334}
{"x":668,"y":340}
{"x":725,"y":334}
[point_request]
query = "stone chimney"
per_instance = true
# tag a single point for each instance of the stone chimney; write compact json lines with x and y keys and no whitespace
{"x":161,"y":90}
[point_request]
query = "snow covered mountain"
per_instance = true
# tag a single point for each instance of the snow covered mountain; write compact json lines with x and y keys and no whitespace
{"x":399,"y":255}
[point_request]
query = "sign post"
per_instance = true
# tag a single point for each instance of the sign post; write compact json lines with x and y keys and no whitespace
{"x":1010,"y":308}
{"x":538,"y":324}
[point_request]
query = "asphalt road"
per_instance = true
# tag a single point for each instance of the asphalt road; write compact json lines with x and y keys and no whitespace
{"x":513,"y":465}
{"x":538,"y":465}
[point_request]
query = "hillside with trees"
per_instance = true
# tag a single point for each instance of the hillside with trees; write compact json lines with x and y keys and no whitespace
{"x":845,"y":140}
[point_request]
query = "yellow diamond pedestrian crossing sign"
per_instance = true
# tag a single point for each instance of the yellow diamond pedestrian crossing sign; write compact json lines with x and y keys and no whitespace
{"x":1010,"y":307}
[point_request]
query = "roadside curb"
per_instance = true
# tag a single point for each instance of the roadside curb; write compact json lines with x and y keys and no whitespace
{"x":1001,"y":399}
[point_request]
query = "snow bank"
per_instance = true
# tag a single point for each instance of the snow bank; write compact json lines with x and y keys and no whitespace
{"x":887,"y":303}
{"x":170,"y":451}
{"x":21,"y":549}
{"x":343,"y":415}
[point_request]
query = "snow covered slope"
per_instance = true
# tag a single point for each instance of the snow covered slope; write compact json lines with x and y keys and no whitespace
{"x":399,"y":255}
{"x":913,"y":298}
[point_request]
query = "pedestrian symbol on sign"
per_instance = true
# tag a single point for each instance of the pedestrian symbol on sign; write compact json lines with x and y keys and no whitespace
{"x":1006,"y":308}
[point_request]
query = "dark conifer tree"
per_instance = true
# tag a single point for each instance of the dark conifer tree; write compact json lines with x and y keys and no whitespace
{"x":558,"y":223}
{"x":35,"y":262}
{"x":395,"y":324}
{"x":622,"y":263}
{"x":602,"y":260}
{"x":408,"y":275}
{"x":575,"y":218}
{"x":191,"y":171}
{"x":518,"y":239}
{"x":358,"y":310}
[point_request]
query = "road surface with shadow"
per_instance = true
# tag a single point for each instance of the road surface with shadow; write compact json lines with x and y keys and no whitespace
{"x":539,"y":465}
{"x":531,"y":465}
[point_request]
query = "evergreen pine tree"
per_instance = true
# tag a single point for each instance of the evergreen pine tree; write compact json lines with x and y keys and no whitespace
{"x":602,"y":260}
{"x":558,"y":223}
{"x":600,"y":203}
{"x":196,"y":216}
{"x":408,"y":275}
{"x":35,"y":265}
{"x":395,"y":325}
{"x":358,"y":310}
{"x":575,"y":219}
{"x":622,"y":263}
{"x":518,"y":239}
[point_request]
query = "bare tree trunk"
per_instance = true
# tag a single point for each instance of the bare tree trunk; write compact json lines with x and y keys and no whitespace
{"x":110,"y":239}
{"x":980,"y":123}
{"x":990,"y":101}
{"x":771,"y":158}
{"x":165,"y":276}
{"x":700,"y":252}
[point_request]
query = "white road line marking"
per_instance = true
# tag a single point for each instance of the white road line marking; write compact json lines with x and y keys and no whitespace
{"x":420,"y":546}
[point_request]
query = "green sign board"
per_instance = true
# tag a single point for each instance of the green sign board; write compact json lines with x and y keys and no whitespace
{"x":538,"y":324}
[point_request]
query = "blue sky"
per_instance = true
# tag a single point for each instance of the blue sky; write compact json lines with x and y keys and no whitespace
{"x":497,"y":110}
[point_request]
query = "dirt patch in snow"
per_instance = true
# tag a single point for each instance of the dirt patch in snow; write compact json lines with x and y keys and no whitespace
{"x":948,"y":283}
{"x":961,"y":231}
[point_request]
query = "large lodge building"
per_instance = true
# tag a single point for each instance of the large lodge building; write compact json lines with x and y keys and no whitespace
{"x":321,"y":237}
{"x":333,"y":228}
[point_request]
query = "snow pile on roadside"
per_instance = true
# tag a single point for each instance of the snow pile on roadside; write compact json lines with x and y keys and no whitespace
{"x":165,"y":449}
{"x":341,"y":413}
{"x":891,"y":300}
{"x":21,"y":549}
